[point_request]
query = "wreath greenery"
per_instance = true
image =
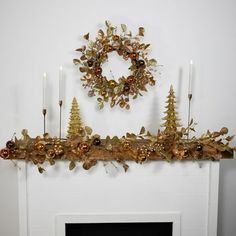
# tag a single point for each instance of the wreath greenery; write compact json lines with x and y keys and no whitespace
{"x":130,"y":48}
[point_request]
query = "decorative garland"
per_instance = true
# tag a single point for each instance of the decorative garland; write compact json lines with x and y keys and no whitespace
{"x":89,"y":149}
{"x":96,"y":53}
{"x":83,"y":146}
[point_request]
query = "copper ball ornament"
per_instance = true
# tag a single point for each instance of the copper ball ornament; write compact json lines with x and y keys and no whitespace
{"x":130,"y":79}
{"x":84,"y":147}
{"x":90,"y":63}
{"x":126,"y":87}
{"x":199,"y":147}
{"x":133,"y":55}
{"x":98,"y":71}
{"x":5,"y":153}
{"x":97,"y":141}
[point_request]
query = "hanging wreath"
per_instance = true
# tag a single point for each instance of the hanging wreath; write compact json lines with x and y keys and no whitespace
{"x":95,"y":54}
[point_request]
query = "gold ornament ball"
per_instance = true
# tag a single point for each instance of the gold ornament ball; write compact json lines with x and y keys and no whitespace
{"x":224,"y":130}
{"x":108,"y":48}
{"x":112,"y":83}
{"x":39,"y":146}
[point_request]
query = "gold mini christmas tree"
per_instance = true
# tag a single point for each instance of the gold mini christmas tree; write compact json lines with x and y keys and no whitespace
{"x":75,"y":123}
{"x":171,"y":120}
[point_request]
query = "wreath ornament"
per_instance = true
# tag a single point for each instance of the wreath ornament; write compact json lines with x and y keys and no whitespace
{"x":131,"y":49}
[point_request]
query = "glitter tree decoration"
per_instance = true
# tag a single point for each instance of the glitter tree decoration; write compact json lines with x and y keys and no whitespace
{"x":75,"y":122}
{"x":171,"y":121}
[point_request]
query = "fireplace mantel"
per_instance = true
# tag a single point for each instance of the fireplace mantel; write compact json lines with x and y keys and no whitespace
{"x":186,"y":190}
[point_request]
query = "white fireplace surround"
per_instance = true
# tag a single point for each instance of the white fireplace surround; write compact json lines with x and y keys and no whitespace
{"x":126,"y":217}
{"x":184,"y":193}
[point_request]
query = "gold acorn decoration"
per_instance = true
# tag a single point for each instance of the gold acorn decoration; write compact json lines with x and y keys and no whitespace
{"x":171,"y":120}
{"x":75,"y":123}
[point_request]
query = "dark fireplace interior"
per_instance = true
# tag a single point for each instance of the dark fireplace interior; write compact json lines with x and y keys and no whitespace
{"x":118,"y":229}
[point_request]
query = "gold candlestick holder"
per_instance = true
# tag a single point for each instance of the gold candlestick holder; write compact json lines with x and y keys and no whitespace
{"x":60,"y":106}
{"x":190,"y":96}
{"x":44,"y":120}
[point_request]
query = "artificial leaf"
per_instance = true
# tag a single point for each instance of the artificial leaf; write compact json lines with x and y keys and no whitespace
{"x":141,"y":31}
{"x":72,"y":165}
{"x":230,"y":138}
{"x":41,"y":169}
{"x":125,"y":166}
{"x":108,"y":23}
{"x":101,"y":33}
{"x":51,"y":161}
{"x":76,"y":61}
{"x":100,"y":105}
{"x":83,"y":69}
{"x":152,"y":62}
{"x":142,"y":131}
{"x":123,"y":27}
{"x":86,"y":36}
{"x":88,"y":130}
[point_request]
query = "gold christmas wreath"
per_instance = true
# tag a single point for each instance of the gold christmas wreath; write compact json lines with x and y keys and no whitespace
{"x":95,"y":54}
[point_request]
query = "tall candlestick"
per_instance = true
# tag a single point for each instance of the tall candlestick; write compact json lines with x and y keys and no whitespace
{"x":44,"y":110}
{"x":190,"y":77}
{"x":44,"y":90}
{"x":189,"y":95}
{"x":60,"y":83}
{"x":60,"y":97}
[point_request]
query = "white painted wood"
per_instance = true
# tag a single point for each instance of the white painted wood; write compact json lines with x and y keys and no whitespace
{"x":156,"y":187}
{"x":173,"y":217}
{"x":213,"y":198}
{"x":23,"y":198}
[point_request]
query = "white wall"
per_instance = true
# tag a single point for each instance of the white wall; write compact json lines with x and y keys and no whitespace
{"x":38,"y":36}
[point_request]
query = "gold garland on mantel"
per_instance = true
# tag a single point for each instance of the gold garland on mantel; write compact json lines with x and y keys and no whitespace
{"x":83,"y":146}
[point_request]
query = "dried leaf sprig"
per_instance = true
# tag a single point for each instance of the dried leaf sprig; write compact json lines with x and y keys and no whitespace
{"x":131,"y":49}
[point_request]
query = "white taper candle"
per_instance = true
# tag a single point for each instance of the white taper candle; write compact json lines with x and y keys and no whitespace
{"x":190,"y":77}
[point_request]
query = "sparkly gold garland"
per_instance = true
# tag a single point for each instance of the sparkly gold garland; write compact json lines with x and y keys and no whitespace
{"x":96,"y":53}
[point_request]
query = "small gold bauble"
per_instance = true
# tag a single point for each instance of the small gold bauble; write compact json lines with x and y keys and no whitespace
{"x":126,"y":146}
{"x":51,"y":153}
{"x":108,"y":48}
{"x":59,"y":151}
{"x":112,"y":83}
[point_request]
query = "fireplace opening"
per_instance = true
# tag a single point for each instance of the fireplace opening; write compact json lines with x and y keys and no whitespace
{"x":117,"y":229}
